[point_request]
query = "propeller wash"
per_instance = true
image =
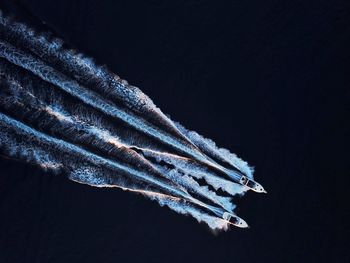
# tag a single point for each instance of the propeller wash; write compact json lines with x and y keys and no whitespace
{"x":62,"y":112}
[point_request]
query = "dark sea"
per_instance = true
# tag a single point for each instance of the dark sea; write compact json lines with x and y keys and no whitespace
{"x":268,"y":80}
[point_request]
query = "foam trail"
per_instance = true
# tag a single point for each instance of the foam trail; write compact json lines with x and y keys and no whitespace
{"x":26,"y":132}
{"x":99,"y":78}
{"x":9,"y":127}
{"x":196,"y":170}
{"x":49,"y":74}
{"x":86,"y":71}
{"x":177,"y":204}
{"x":103,"y":81}
{"x":61,"y":111}
{"x":222,"y":155}
{"x":88,"y":175}
{"x":52,"y":119}
{"x":181,"y":207}
{"x":17,"y":99}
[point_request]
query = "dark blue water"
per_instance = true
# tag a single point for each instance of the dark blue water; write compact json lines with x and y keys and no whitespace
{"x":268,"y":80}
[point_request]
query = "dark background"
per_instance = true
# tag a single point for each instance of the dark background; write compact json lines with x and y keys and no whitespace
{"x":266,"y":79}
